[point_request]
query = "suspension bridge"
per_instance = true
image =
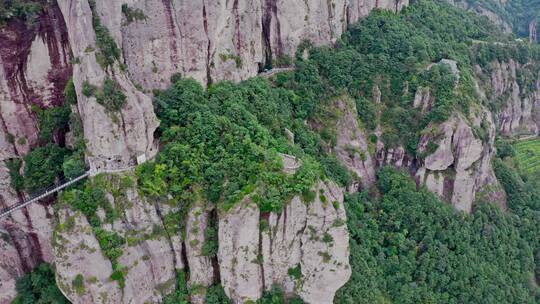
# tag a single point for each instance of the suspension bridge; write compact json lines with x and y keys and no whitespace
{"x":60,"y":186}
{"x":54,"y":189}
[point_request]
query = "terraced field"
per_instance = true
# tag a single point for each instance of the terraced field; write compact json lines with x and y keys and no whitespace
{"x":528,"y":154}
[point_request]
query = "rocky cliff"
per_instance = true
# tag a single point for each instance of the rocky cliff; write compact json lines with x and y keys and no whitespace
{"x":36,"y":64}
{"x":519,"y":16}
{"x":256,"y":250}
{"x":304,"y":249}
{"x":208,"y":41}
{"x":453,"y":158}
{"x":514,"y":95}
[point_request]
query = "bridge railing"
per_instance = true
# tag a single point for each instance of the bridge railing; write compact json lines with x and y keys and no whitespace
{"x":42,"y":194}
{"x":55,"y":188}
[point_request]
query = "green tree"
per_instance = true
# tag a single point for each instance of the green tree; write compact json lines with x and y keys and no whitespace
{"x":39,"y":286}
{"x":43,"y":166}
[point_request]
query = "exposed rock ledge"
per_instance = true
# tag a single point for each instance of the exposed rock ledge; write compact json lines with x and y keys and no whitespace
{"x":257,"y":251}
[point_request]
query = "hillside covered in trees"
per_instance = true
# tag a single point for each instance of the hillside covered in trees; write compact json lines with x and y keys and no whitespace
{"x":517,"y":13}
{"x":223,"y":158}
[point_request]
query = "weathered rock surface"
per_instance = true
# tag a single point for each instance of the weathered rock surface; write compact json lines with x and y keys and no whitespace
{"x":352,"y":147}
{"x":201,"y":269}
{"x":460,"y":168}
{"x":257,"y":251}
{"x":218,"y":40}
{"x":148,"y":257}
{"x":423,"y":99}
{"x":519,"y":103}
{"x":34,"y":68}
{"x":10,"y":268}
{"x":325,"y":246}
{"x":478,"y":8}
{"x":77,"y":252}
{"x":533,"y":35}
{"x":114,"y":140}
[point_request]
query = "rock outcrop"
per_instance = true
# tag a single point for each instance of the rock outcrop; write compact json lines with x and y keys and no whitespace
{"x":10,"y":268}
{"x":218,"y":40}
{"x":147,"y":259}
{"x":460,"y":167}
{"x":514,"y":92}
{"x":114,"y":140}
{"x":352,"y":146}
{"x":208,"y":41}
{"x":485,"y":10}
{"x":77,"y":252}
{"x":35,"y":66}
{"x":201,"y":269}
{"x":533,"y":36}
{"x":453,"y":161}
{"x":304,"y":250}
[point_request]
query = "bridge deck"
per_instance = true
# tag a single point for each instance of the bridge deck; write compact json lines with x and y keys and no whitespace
{"x":7,"y":211}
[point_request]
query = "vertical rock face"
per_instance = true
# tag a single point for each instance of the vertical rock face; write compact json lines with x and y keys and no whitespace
{"x":352,"y":147}
{"x":200,"y":39}
{"x":200,"y":266}
{"x":325,"y":247}
{"x":34,"y":68}
{"x":10,"y":268}
{"x":148,"y":256}
{"x":460,"y":168}
{"x":77,"y":252}
{"x":305,"y":249}
{"x":291,"y":22}
{"x":357,"y":9}
{"x":114,"y":140}
{"x":217,"y":40}
{"x":241,"y":275}
{"x":519,"y":102}
{"x":533,"y":37}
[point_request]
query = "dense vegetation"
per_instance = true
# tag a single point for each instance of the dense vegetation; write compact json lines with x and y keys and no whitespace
{"x":222,"y":144}
{"x":409,"y":247}
{"x":51,"y":160}
{"x":516,"y":13}
{"x":39,"y":286}
{"x":391,"y":54}
{"x":27,"y":10}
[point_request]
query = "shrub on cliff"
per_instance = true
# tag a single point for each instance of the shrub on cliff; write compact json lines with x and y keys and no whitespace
{"x":111,"y":96}
{"x":108,"y":49}
{"x":52,"y":121}
{"x":42,"y":167}
{"x":39,"y":286}
{"x":27,"y":10}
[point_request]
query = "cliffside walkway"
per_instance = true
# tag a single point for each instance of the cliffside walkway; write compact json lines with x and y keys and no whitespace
{"x":54,"y":189}
{"x":274,"y":71}
{"x":42,"y":195}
